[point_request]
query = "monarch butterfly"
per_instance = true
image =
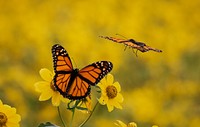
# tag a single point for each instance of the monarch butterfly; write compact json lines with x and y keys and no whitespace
{"x":133,"y":44}
{"x":74,"y":83}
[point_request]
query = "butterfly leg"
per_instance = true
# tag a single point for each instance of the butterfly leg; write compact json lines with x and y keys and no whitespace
{"x":125,"y":47}
{"x":134,"y":52}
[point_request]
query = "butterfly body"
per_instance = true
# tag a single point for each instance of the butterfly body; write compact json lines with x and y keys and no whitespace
{"x":136,"y":42}
{"x":133,"y":44}
{"x":74,"y":83}
{"x":73,"y":75}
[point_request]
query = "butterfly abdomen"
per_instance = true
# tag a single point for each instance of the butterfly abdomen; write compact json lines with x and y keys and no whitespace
{"x":74,"y":74}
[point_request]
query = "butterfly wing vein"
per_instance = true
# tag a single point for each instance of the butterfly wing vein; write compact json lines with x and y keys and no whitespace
{"x":72,"y":83}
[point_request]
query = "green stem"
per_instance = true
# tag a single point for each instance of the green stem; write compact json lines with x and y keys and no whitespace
{"x":73,"y":112}
{"x":89,"y":115}
{"x":61,"y":117}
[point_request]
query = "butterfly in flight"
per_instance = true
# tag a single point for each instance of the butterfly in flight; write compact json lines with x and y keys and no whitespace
{"x":74,"y":83}
{"x":133,"y":44}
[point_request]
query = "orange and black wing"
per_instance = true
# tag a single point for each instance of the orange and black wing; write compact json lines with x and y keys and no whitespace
{"x":89,"y":75}
{"x":113,"y":39}
{"x":93,"y":73}
{"x":61,"y":59}
{"x":63,"y":69}
{"x":66,"y":79}
{"x":72,"y":83}
{"x":132,"y":43}
{"x":78,"y":88}
{"x":147,"y":48}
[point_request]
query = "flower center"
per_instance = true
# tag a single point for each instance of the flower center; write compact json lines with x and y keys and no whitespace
{"x":52,"y":86}
{"x":3,"y":119}
{"x":111,"y":92}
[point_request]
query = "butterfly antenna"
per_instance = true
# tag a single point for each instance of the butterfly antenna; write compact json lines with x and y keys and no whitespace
{"x":121,"y":36}
{"x":56,"y":40}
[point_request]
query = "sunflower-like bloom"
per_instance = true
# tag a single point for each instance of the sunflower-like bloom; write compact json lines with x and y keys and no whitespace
{"x":8,"y":116}
{"x":121,"y":124}
{"x":47,"y":89}
{"x":110,"y":93}
{"x":131,"y":124}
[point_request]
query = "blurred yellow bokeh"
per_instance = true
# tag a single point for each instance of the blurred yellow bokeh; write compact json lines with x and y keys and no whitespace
{"x":159,"y":88}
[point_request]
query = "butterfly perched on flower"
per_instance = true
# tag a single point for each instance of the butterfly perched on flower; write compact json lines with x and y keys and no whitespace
{"x":133,"y":44}
{"x":74,"y":83}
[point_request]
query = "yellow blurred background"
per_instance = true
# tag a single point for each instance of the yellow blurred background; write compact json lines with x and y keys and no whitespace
{"x":158,"y":88}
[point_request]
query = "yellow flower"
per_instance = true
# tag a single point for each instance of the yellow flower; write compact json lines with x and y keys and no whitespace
{"x":121,"y":124}
{"x":131,"y":124}
{"x":110,"y":93}
{"x":86,"y":103}
{"x":47,"y":89}
{"x":8,"y":116}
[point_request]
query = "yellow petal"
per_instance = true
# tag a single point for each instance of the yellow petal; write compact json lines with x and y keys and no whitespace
{"x":14,"y":118}
{"x":110,"y":79}
{"x":56,"y":99}
{"x":103,"y":84}
{"x":132,"y":124}
{"x":103,"y":81}
{"x":46,"y":74}
{"x":103,"y":92}
{"x":1,"y":103}
{"x":154,"y":126}
{"x":120,"y":123}
{"x":10,"y":124}
{"x":10,"y":112}
{"x":119,"y":97}
{"x":117,"y":105}
{"x":7,"y":110}
{"x":114,"y":103}
{"x":110,"y":107}
{"x":117,"y":85}
{"x":65,"y":100}
{"x":45,"y":96}
{"x":41,"y":86}
{"x":103,"y":100}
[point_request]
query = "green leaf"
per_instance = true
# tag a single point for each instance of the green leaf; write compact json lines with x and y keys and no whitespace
{"x":47,"y":124}
{"x":81,"y":108}
{"x":73,"y":104}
